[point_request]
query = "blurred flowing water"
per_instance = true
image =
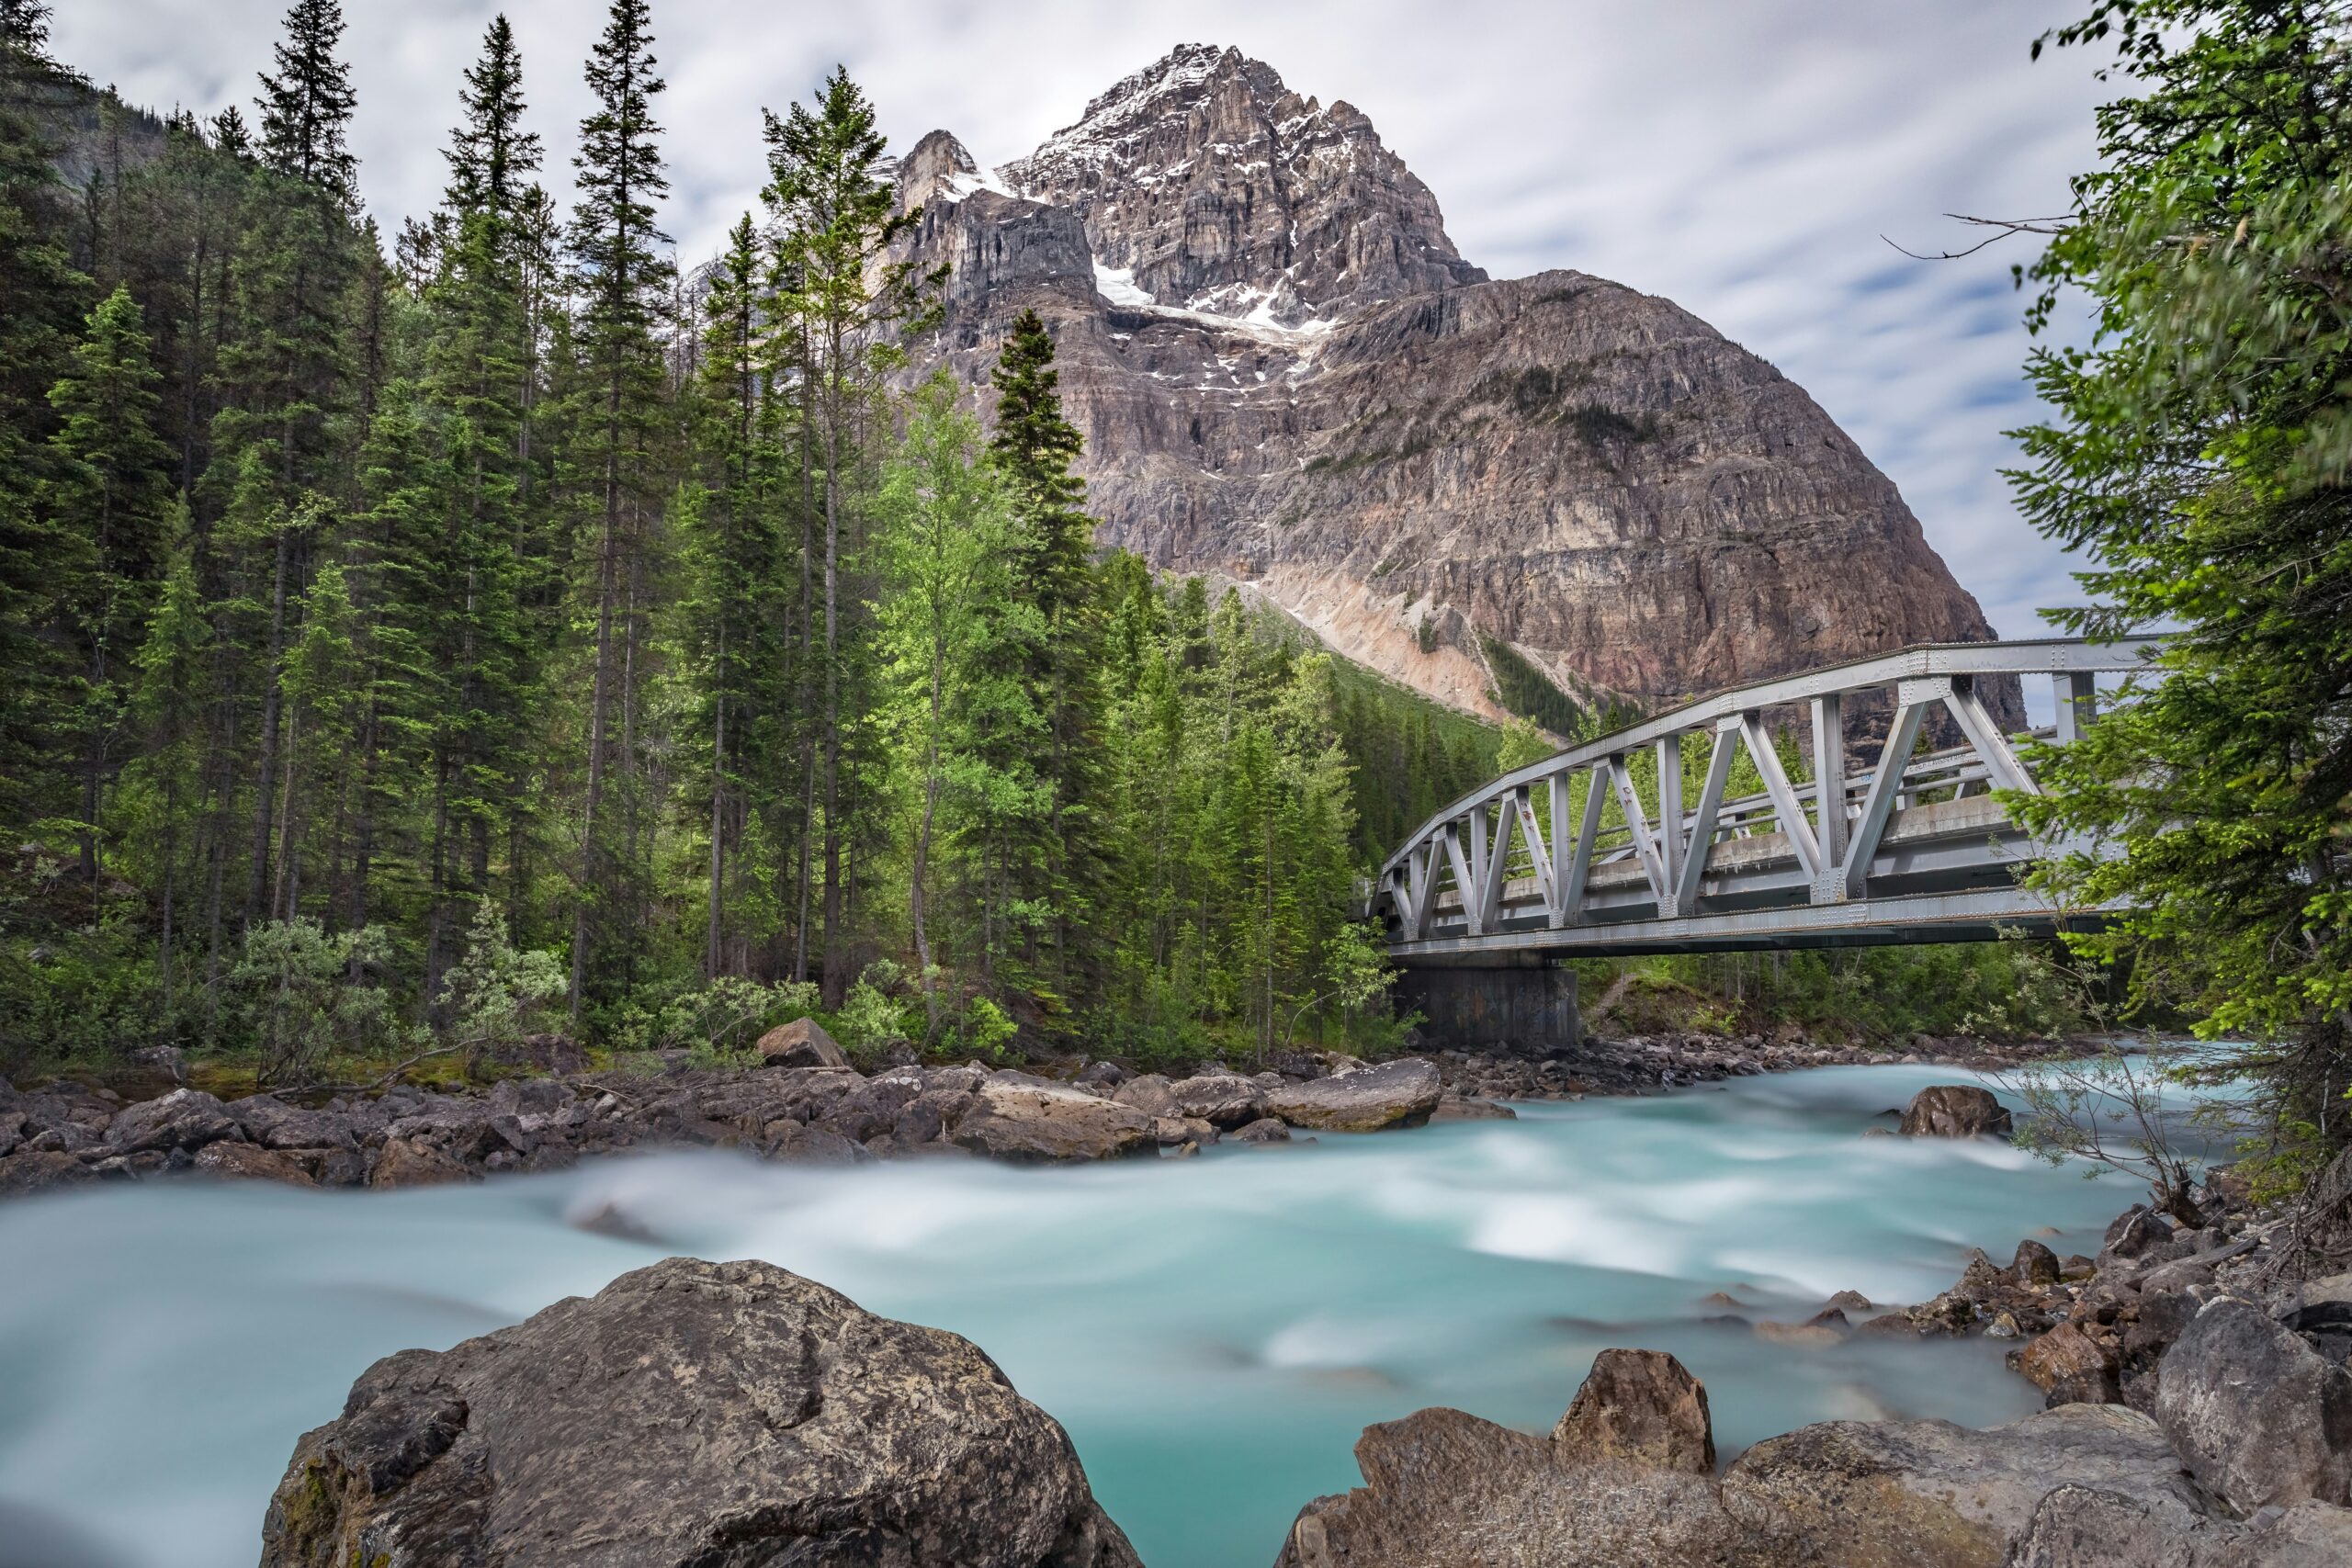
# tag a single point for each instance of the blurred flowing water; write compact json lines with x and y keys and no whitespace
{"x":1214,"y":1333}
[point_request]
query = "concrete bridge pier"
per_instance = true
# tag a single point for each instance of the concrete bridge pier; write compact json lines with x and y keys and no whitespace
{"x":1531,"y":1004}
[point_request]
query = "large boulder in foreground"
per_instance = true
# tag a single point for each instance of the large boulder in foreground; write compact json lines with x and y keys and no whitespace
{"x":2258,"y":1415}
{"x":718,"y":1415}
{"x":1044,"y":1123}
{"x":1955,"y":1111}
{"x":1362,"y":1099}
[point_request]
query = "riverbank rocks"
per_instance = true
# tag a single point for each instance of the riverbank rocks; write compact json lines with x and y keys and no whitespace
{"x":691,"y":1413}
{"x":1955,"y":1111}
{"x":1047,"y":1123}
{"x":2257,"y":1415}
{"x":1222,"y":1099}
{"x":803,"y":1042}
{"x":1628,"y":1479}
{"x":1443,"y":1488}
{"x":1361,"y":1099}
{"x":1932,"y":1495}
{"x":183,"y":1119}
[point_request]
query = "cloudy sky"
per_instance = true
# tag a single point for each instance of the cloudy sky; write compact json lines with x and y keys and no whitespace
{"x":1742,"y":157}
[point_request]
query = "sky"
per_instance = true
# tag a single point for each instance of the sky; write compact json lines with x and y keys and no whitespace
{"x":1748,"y":160}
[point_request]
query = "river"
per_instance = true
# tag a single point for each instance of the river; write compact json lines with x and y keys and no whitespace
{"x":1214,"y":1332}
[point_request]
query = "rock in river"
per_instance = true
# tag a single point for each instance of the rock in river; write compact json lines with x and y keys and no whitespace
{"x":1365,"y":1100}
{"x":1955,"y":1111}
{"x":719,"y":1414}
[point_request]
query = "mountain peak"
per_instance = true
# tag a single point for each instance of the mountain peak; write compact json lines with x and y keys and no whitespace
{"x":1208,"y":184}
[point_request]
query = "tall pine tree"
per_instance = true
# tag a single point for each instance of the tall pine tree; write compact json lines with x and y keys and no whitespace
{"x":624,"y":281}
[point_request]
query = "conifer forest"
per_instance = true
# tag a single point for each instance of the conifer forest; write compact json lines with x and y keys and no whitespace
{"x":505,"y":626}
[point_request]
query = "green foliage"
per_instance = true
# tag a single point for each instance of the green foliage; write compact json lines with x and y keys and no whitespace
{"x":495,"y":997}
{"x":298,"y":994}
{"x":2198,"y":456}
{"x":870,"y":1018}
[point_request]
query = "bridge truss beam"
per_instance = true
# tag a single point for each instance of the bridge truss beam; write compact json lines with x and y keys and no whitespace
{"x":1910,"y":847}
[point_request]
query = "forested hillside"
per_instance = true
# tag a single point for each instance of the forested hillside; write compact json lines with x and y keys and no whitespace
{"x":418,"y":641}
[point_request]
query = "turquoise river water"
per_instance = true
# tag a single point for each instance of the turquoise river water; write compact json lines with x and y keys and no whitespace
{"x":1214,"y":1333}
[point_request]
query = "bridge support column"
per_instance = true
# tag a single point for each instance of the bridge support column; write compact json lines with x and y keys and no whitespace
{"x":1531,"y":1006}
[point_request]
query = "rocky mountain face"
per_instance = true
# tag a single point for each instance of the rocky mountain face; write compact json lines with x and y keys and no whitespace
{"x":1287,"y":376}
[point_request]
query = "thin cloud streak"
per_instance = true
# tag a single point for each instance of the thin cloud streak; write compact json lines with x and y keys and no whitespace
{"x":1742,"y":160}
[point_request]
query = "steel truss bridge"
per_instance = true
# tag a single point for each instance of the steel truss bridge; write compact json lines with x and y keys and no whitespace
{"x":1908,"y":849}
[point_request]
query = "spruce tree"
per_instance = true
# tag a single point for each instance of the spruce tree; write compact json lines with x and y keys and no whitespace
{"x":307,"y":104}
{"x":290,"y":372}
{"x":623,"y":281}
{"x":110,"y":488}
{"x":1034,"y":448}
{"x":42,"y":299}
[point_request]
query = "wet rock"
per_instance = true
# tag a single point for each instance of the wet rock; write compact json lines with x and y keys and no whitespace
{"x":1400,"y":1093}
{"x":2082,"y":1527}
{"x":1451,"y":1107}
{"x":1932,"y":1495}
{"x":803,"y":1042}
{"x":1042,"y":1122}
{"x":410,"y":1162}
{"x":28,"y":1171}
{"x":2072,"y":1367}
{"x":1265,"y":1130}
{"x":926,"y":1118}
{"x":1955,"y":1111}
{"x":250,"y":1162}
{"x":2034,"y":1265}
{"x":691,"y":1414}
{"x":1170,"y":1132}
{"x":183,"y":1119}
{"x":1849,"y":1301}
{"x":817,"y":1144}
{"x":1223,"y":1100}
{"x":275,"y":1125}
{"x":2136,"y":1233}
{"x":2257,"y":1416}
{"x":1148,"y":1092}
{"x":1442,"y":1488}
{"x":1642,"y":1408}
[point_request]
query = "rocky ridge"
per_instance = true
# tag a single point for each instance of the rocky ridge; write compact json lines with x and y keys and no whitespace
{"x":1289,"y":378}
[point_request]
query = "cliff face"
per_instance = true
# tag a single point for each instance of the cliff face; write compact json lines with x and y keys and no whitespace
{"x":1288,"y":375}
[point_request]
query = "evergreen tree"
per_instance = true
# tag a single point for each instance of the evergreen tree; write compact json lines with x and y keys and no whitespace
{"x":110,"y":488}
{"x":42,"y":299}
{"x":1034,"y":448}
{"x":838,"y":216}
{"x":623,"y":281}
{"x":305,"y":105}
{"x":289,"y":370}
